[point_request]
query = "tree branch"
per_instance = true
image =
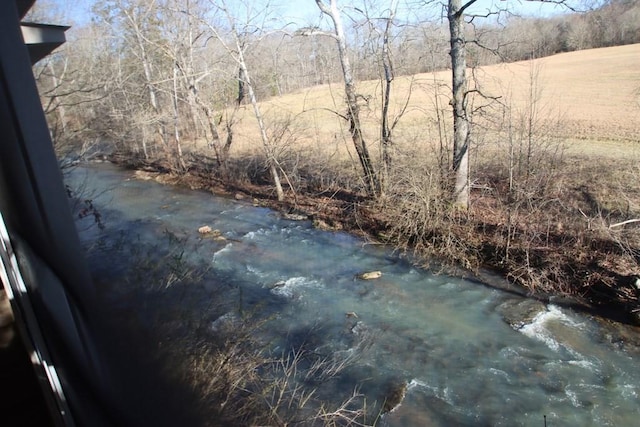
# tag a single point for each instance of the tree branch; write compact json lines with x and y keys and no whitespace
{"x":313,"y":31}
{"x":464,"y":7}
{"x":323,"y":7}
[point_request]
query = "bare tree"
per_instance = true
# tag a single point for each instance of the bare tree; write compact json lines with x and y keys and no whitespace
{"x":70,"y":87}
{"x":462,"y":113}
{"x":380,"y":39}
{"x":141,"y":80}
{"x":237,"y":49}
{"x":353,"y":108}
{"x":459,"y":90}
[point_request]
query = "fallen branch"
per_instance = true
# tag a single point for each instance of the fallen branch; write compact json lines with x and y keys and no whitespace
{"x":629,"y":221}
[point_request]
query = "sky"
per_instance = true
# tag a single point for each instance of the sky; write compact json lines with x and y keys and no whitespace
{"x":305,"y":12}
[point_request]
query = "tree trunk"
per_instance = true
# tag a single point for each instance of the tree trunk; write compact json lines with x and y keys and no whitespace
{"x":385,"y":128}
{"x":461,"y":117}
{"x":176,"y":120}
{"x":271,"y":161}
{"x":248,"y":86}
{"x":353,"y":110}
{"x":146,"y":66}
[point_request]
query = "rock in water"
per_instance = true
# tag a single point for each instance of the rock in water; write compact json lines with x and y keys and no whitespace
{"x":205,"y":229}
{"x":519,"y":312}
{"x":276,"y":285}
{"x":370,"y":275}
{"x":394,"y":396}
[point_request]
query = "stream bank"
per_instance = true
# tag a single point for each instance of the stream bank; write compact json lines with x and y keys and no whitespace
{"x":612,"y":295}
{"x":413,"y":339}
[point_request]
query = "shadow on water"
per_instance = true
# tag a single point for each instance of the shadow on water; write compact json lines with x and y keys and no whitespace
{"x":430,"y":349}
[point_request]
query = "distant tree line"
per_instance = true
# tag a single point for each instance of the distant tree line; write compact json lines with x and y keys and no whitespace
{"x":136,"y":57}
{"x":147,"y":77}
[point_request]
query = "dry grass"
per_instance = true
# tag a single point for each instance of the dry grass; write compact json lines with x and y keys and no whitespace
{"x":548,"y":218}
{"x":553,"y":166}
{"x":595,"y":91}
{"x":207,"y":356}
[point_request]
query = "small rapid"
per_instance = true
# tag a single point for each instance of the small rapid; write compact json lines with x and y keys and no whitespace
{"x":458,"y":353}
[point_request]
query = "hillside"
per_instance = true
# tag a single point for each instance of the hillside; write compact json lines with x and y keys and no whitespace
{"x":596,"y":91}
{"x":590,"y":95}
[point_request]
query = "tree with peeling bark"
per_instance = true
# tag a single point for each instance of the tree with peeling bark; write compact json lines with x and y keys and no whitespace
{"x":370,"y":176}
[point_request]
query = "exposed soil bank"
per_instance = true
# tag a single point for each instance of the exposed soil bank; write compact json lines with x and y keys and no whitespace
{"x":610,"y":294}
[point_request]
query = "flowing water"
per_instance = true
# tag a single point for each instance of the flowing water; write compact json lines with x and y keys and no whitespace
{"x":445,"y":338}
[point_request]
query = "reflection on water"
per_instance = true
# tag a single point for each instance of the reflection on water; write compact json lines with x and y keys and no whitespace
{"x":444,"y":338}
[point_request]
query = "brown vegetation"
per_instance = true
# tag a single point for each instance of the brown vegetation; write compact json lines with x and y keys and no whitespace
{"x":200,"y":353}
{"x":554,"y":189}
{"x":546,"y":210}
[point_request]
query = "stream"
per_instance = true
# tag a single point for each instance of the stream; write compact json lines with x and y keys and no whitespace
{"x":467,"y":354}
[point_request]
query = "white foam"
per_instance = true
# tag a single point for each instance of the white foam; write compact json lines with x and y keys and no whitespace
{"x":226,"y":248}
{"x":255,"y":234}
{"x":630,"y":391}
{"x":293,"y":284}
{"x":253,"y":270}
{"x":583,"y":364}
{"x":224,"y":322}
{"x":417,"y":383}
{"x":500,"y":373}
{"x":442,"y":394}
{"x":573,"y":398}
{"x":538,"y":330}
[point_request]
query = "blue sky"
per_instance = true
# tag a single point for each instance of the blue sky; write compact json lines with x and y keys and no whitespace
{"x":305,"y":12}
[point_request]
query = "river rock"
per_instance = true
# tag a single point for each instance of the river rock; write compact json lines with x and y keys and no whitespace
{"x":518,"y":313}
{"x":225,"y":323}
{"x":370,"y":275}
{"x":205,"y":229}
{"x":360,"y":329}
{"x":278,"y":284}
{"x":145,"y":176}
{"x":624,"y":337}
{"x":394,"y":396}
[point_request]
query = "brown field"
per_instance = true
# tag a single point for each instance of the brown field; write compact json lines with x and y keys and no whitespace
{"x":592,"y":96}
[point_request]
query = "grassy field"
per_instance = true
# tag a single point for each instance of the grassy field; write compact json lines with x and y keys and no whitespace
{"x":591,"y":96}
